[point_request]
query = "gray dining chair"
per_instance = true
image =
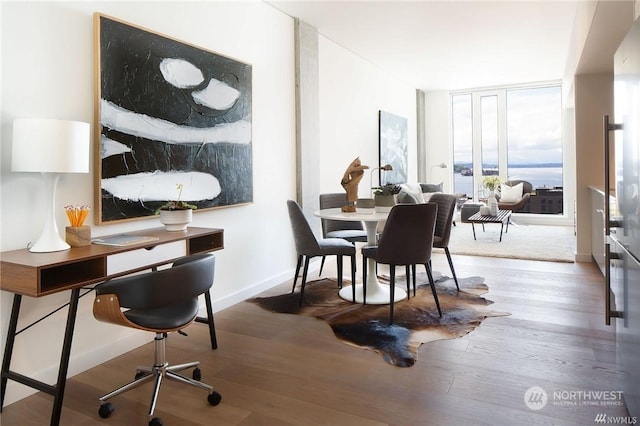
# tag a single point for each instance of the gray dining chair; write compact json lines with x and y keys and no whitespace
{"x":446,"y":208}
{"x":347,"y":230}
{"x":407,"y":241}
{"x":308,"y":247}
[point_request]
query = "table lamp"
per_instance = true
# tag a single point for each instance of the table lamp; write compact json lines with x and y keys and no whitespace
{"x":50,"y":147}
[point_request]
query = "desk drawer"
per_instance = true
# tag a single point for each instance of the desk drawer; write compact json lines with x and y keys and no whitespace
{"x":122,"y":262}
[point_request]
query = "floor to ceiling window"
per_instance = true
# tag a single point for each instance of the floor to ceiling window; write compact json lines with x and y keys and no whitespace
{"x":515,"y":133}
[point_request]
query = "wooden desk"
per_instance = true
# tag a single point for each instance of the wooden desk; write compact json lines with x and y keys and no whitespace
{"x":39,"y":274}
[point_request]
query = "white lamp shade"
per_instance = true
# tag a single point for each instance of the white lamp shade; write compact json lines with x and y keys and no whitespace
{"x":50,"y":146}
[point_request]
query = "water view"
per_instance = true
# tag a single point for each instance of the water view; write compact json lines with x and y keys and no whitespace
{"x":539,"y":177}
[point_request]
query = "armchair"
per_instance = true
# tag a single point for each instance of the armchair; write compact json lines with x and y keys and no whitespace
{"x":514,"y":204}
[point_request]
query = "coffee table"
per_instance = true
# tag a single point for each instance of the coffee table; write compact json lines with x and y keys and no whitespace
{"x":502,"y":218}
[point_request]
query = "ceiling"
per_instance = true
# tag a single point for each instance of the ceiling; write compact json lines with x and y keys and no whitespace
{"x":450,"y":45}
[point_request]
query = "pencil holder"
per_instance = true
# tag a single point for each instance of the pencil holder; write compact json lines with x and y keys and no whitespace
{"x":78,"y":236}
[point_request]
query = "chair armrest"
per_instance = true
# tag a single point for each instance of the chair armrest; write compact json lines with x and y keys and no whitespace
{"x":106,"y":308}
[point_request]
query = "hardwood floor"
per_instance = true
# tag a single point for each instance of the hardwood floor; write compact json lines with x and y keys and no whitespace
{"x":275,"y":369}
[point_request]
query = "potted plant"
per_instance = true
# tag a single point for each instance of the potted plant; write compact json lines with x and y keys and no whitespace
{"x":385,"y":196}
{"x":175,"y":215}
{"x":491,"y":183}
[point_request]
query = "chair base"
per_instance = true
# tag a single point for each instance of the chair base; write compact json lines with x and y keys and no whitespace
{"x":160,"y":370}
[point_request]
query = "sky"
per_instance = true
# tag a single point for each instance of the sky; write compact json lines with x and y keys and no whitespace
{"x":533,"y":126}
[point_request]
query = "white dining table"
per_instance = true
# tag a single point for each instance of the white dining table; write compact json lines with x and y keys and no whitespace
{"x":377,"y":293}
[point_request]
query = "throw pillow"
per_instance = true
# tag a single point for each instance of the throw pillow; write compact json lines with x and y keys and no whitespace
{"x":411,"y":192}
{"x":407,"y":198}
{"x":510,"y":194}
{"x":427,"y":195}
{"x":432,"y":187}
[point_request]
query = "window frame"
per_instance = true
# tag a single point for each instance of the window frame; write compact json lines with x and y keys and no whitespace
{"x":476,"y":113}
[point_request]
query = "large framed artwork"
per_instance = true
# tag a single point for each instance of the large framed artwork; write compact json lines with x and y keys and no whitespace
{"x":393,"y":147}
{"x":169,"y":115}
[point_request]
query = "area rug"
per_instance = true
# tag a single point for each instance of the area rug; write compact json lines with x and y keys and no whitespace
{"x":416,"y":321}
{"x":531,"y":242}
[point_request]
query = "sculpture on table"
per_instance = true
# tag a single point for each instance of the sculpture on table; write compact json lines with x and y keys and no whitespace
{"x":350,"y":180}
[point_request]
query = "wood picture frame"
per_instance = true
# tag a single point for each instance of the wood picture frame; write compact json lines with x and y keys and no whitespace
{"x":394,"y":145}
{"x":172,"y":121}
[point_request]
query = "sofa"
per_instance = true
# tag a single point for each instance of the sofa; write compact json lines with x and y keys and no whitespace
{"x":417,"y":193}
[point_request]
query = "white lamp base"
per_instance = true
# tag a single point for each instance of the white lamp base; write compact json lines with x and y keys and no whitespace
{"x":50,"y":239}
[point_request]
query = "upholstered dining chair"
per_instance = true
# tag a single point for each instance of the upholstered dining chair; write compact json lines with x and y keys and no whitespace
{"x":407,"y":241}
{"x":160,"y":302}
{"x":347,"y":230}
{"x":446,"y":208}
{"x":308,"y":247}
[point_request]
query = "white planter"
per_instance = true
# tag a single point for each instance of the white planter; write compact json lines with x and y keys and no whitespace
{"x":176,"y":220}
{"x":384,"y":203}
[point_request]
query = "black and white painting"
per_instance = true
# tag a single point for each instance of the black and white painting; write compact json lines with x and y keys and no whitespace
{"x":171,"y":115}
{"x":393,"y":147}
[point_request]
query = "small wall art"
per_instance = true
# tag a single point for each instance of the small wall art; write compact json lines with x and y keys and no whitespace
{"x":168,"y":114}
{"x":393,"y":147}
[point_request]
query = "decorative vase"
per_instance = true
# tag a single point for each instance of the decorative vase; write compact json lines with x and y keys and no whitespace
{"x":176,"y":220}
{"x":493,"y":204}
{"x":384,"y":203}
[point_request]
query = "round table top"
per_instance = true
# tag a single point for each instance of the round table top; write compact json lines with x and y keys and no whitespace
{"x":338,"y":214}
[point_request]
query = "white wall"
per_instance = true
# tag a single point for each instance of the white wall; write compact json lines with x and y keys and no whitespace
{"x":593,"y":99}
{"x":352,"y":92}
{"x":438,"y":137}
{"x":47,"y":71}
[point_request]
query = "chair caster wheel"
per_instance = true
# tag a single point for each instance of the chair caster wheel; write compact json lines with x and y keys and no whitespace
{"x":106,"y":410}
{"x":156,"y":421}
{"x":214,"y":398}
{"x":197,"y":374}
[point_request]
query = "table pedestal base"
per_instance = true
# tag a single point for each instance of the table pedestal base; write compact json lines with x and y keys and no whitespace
{"x":376,"y":294}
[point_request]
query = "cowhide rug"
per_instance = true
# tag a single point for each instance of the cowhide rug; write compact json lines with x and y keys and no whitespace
{"x":416,"y":321}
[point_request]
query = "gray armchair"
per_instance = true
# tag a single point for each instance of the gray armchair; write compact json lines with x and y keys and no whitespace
{"x":347,"y":230}
{"x":446,"y":208}
{"x":407,"y":241}
{"x":308,"y":246}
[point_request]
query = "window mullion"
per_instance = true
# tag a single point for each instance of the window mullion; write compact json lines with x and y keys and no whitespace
{"x":503,"y":166}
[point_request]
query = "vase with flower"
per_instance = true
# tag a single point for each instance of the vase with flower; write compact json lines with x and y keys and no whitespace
{"x":491,"y":183}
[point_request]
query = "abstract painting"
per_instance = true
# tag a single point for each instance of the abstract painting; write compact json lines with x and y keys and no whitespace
{"x":170,"y":115}
{"x":393,"y":147}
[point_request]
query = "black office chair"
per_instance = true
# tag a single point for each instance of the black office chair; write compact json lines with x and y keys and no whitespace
{"x":308,"y":247}
{"x":161,"y":302}
{"x":347,"y":230}
{"x":406,"y":241}
{"x":446,"y":208}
